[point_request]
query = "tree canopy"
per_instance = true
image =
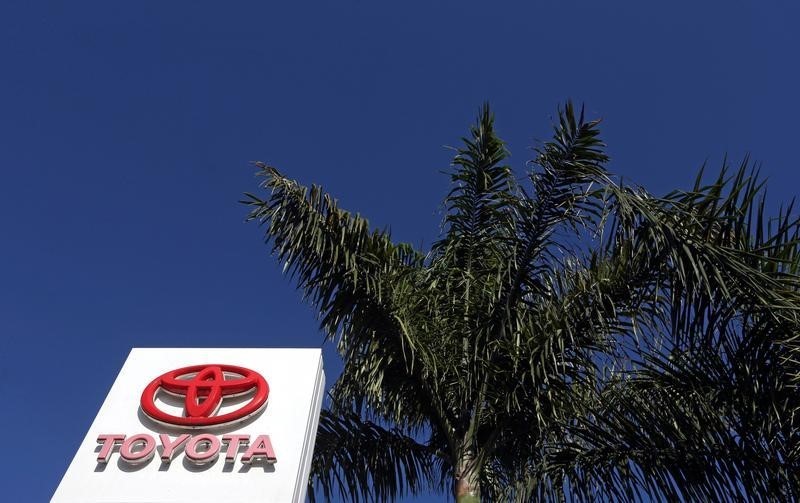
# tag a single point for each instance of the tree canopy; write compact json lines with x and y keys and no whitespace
{"x":568,"y":337}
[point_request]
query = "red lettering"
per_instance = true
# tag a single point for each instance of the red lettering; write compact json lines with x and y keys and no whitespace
{"x":234,"y":441}
{"x":260,"y":449}
{"x":108,"y":441}
{"x":170,"y":447}
{"x":202,"y":457}
{"x":200,"y":449}
{"x":143,"y":455}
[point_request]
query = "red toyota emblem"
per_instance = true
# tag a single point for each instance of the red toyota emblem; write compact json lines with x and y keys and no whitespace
{"x":204,"y":387}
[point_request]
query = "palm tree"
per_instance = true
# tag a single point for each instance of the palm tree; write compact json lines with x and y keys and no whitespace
{"x":567,"y":338}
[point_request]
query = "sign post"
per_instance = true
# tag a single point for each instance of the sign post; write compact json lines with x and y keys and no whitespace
{"x":202,"y":425}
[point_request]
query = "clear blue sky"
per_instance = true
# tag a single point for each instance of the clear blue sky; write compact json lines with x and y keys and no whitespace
{"x":126,"y":129}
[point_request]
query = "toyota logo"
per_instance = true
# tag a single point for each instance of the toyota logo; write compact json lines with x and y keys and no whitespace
{"x":203,"y":389}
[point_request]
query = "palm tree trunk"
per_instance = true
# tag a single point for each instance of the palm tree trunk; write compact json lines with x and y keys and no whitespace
{"x":466,"y":484}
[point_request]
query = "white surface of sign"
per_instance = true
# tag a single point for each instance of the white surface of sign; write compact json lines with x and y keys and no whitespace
{"x":296,"y":384}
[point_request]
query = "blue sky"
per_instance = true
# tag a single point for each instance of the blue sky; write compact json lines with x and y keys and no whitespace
{"x":126,"y":132}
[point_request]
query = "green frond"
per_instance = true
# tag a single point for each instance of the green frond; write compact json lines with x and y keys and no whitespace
{"x":568,"y":189}
{"x":478,"y":211}
{"x":341,"y":265}
{"x":362,"y":461}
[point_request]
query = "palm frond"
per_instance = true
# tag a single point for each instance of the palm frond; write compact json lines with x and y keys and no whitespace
{"x":362,"y":461}
{"x":478,"y":210}
{"x":335,"y":258}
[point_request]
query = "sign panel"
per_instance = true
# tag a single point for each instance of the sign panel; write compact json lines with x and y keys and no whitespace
{"x":202,"y":425}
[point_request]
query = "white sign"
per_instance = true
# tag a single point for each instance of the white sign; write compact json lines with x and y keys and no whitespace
{"x":202,"y":425}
